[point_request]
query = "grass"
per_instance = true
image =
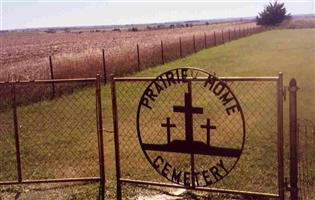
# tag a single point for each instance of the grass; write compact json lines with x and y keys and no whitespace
{"x":298,"y":23}
{"x":72,"y":116}
{"x":288,"y":51}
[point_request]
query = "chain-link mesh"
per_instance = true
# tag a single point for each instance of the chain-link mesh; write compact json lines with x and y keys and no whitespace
{"x":57,"y":132}
{"x":122,"y":60}
{"x":306,"y":159}
{"x":199,"y":42}
{"x":171,"y":50}
{"x":7,"y":141}
{"x":256,"y":169}
{"x":187,"y":45}
{"x":150,"y":54}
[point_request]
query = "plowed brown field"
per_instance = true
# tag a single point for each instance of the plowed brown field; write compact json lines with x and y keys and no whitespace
{"x":24,"y":56}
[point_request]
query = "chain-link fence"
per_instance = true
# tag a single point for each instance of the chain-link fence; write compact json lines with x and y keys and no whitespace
{"x":47,"y":139}
{"x":306,"y":159}
{"x":256,"y":170}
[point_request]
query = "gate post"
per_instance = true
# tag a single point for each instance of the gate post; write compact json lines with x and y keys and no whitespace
{"x":280,"y":136}
{"x":100,"y":137}
{"x":116,"y":138}
{"x":16,"y":134}
{"x":293,"y":140}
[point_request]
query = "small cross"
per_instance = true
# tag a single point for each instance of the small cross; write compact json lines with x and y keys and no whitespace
{"x":168,"y":126}
{"x":208,"y":127}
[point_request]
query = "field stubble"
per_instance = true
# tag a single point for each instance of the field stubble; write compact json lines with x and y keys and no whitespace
{"x":24,"y":56}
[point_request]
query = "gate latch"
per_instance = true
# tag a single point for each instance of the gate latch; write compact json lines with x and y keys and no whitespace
{"x":284,"y":92}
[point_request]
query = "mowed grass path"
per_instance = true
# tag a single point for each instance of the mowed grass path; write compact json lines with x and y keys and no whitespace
{"x":264,"y":54}
{"x":291,"y":52}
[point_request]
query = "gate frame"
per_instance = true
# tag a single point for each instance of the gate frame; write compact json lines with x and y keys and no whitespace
{"x":99,"y":128}
{"x":294,"y":140}
{"x":280,"y":160}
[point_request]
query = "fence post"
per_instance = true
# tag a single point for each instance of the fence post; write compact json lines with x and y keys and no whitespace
{"x":138,"y":57}
{"x":205,"y":36}
{"x":194,"y":41}
{"x":16,"y":134}
{"x":100,"y":137}
{"x":162,"y":53}
{"x":104,"y":66}
{"x":234,"y":37}
{"x":222,"y":36}
{"x":52,"y":78}
{"x":293,"y":140}
{"x":215,"y":39}
{"x":116,"y":138}
{"x":239,"y":32}
{"x":180,"y":47}
{"x":229,"y":35}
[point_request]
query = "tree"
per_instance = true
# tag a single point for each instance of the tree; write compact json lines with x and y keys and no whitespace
{"x":273,"y":14}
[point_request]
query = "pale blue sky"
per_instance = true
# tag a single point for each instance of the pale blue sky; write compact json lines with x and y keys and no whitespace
{"x":50,"y":13}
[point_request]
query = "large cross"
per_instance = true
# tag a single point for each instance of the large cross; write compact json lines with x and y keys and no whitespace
{"x":188,"y":110}
{"x":208,"y":127}
{"x":168,"y":126}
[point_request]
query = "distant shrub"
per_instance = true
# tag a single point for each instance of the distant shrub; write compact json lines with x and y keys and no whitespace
{"x":161,"y":26}
{"x":133,"y":29}
{"x":51,"y":31}
{"x":117,"y":29}
{"x":67,"y":30}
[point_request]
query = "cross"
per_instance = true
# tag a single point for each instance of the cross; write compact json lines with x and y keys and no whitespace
{"x":168,"y":126}
{"x":208,"y":127}
{"x":188,"y":110}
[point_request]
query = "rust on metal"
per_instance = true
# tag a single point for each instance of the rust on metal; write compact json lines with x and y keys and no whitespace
{"x":104,"y":66}
{"x":16,"y":135}
{"x":281,"y":185}
{"x":63,"y":180}
{"x":162,"y":53}
{"x":99,"y":124}
{"x":116,"y":138}
{"x":293,"y":140}
{"x":205,"y":189}
{"x":138,"y":58}
{"x":52,"y":77}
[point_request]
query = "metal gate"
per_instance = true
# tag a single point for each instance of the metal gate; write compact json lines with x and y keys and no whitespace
{"x":40,"y":143}
{"x":260,"y":170}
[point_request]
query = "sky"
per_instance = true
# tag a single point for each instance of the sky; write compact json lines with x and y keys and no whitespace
{"x":57,"y":13}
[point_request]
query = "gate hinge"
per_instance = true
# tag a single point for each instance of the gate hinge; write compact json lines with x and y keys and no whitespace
{"x":284,"y":92}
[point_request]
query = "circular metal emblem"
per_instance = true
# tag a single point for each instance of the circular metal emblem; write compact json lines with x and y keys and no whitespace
{"x":191,"y":127}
